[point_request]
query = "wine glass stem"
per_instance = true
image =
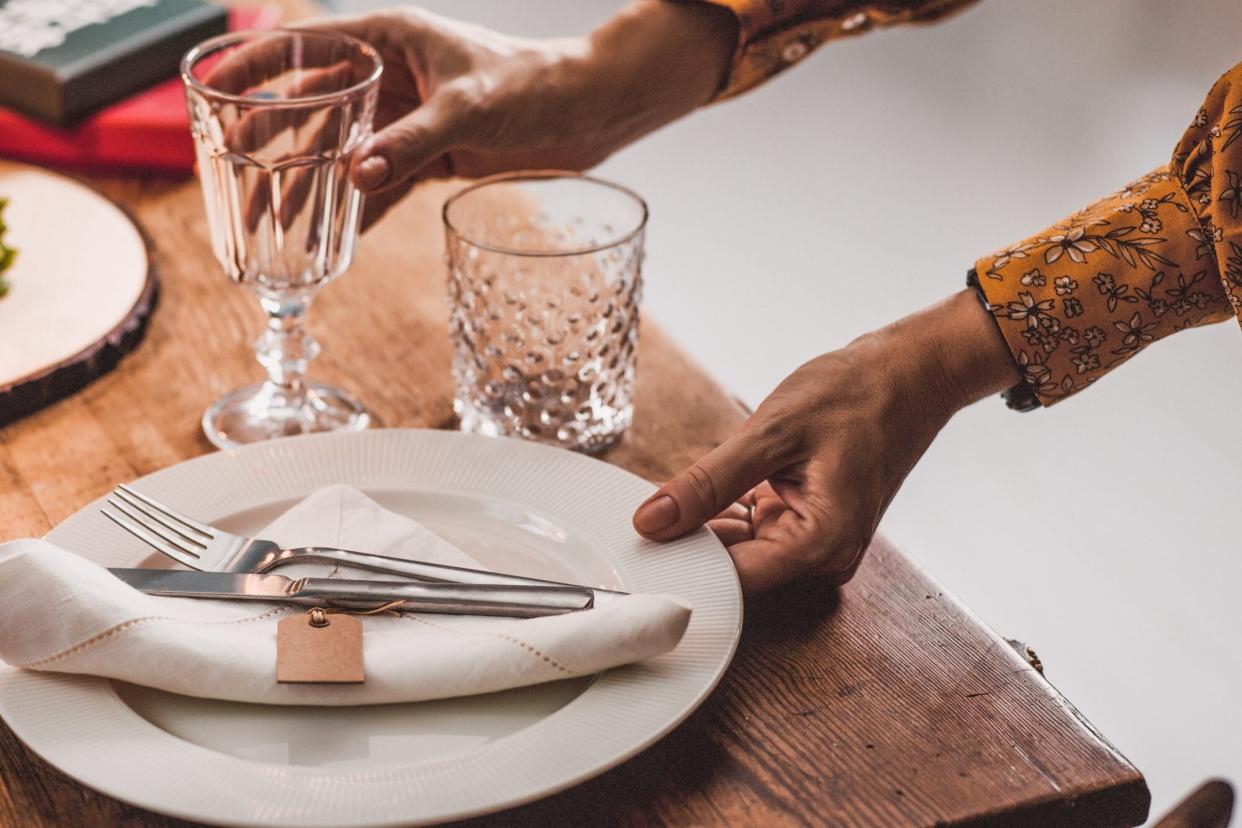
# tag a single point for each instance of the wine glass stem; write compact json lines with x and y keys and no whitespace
{"x":285,"y":349}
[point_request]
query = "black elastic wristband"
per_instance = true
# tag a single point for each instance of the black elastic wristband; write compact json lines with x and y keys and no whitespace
{"x":1020,"y":397}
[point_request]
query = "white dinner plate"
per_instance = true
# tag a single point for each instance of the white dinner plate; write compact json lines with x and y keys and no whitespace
{"x":514,"y":506}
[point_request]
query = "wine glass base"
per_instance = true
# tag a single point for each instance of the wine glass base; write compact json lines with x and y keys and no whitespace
{"x":266,"y":411}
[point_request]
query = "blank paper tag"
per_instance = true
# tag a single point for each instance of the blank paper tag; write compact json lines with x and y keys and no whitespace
{"x":307,"y":654}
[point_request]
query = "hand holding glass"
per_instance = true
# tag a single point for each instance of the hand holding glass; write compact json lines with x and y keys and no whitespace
{"x":275,"y":117}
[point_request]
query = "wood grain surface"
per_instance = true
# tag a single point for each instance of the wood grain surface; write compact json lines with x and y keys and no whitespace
{"x":883,"y":704}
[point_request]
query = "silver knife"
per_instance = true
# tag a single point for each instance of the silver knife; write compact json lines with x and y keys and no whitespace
{"x":518,"y":601}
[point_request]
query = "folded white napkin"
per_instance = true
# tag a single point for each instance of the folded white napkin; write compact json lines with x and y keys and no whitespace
{"x":62,"y":613}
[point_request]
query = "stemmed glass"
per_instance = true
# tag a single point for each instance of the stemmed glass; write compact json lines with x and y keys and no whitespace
{"x":275,"y":117}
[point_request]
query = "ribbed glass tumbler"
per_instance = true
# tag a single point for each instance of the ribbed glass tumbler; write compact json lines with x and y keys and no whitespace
{"x":545,"y":280}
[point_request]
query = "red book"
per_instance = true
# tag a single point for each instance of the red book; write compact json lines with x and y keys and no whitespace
{"x":149,"y":130}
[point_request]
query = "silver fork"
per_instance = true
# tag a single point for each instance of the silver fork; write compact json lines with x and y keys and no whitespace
{"x":207,"y":548}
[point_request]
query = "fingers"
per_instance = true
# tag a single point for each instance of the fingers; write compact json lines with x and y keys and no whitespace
{"x":736,"y":511}
{"x":259,"y":125}
{"x":374,"y":208}
{"x":255,"y":63}
{"x":377,"y":204}
{"x":781,"y":543}
{"x":410,"y":144}
{"x":730,"y":531}
{"x":705,"y":489}
{"x":792,"y":550}
{"x":403,"y":27}
{"x":758,"y":565}
{"x":415,"y":135}
{"x":237,"y":70}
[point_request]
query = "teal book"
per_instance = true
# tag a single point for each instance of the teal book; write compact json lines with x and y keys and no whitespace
{"x":63,"y":59}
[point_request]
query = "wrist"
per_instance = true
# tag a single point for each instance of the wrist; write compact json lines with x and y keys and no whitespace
{"x":952,"y":351}
{"x":964,"y":352}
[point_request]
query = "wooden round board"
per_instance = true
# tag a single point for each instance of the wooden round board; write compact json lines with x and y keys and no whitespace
{"x":81,"y":288}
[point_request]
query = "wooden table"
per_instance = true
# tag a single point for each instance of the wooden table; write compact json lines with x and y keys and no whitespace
{"x":886,"y":703}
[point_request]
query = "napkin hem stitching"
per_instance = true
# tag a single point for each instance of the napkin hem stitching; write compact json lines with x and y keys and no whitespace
{"x":133,"y":622}
{"x":529,"y":648}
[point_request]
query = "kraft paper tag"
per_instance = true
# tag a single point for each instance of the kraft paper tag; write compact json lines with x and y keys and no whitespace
{"x":317,"y":647}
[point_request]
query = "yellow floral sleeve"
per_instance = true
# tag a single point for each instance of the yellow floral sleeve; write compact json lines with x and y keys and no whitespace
{"x":775,"y":34}
{"x":1075,"y":301}
{"x":1162,"y":255}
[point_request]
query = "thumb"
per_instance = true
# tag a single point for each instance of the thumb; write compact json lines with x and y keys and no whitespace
{"x":703,"y":490}
{"x":397,"y":152}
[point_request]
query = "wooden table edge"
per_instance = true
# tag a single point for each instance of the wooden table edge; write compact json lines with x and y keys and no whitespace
{"x":1124,"y":804}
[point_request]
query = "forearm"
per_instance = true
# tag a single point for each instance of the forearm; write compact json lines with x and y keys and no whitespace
{"x":653,"y":62}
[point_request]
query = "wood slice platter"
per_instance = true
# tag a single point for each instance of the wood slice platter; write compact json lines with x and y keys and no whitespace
{"x":82,"y":289}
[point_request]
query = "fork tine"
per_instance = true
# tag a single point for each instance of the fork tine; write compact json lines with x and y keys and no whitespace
{"x":155,"y":521}
{"x":155,"y":528}
{"x":201,"y":528}
{"x":151,"y":540}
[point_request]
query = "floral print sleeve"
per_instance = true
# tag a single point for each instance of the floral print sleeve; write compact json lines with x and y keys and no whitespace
{"x":775,"y":34}
{"x":1160,"y":256}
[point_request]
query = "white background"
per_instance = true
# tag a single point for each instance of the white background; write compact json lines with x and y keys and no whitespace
{"x":862,"y":185}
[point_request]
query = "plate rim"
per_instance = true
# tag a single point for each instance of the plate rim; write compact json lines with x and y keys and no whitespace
{"x":149,"y":796}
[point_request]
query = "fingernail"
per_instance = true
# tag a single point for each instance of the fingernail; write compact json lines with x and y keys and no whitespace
{"x":657,"y":515}
{"x":373,"y":172}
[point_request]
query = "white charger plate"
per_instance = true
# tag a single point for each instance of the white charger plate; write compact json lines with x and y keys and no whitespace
{"x":514,"y":506}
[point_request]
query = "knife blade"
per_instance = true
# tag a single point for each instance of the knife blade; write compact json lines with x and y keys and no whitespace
{"x":516,"y":601}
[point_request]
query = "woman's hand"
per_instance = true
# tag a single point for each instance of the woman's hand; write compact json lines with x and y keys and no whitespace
{"x":799,"y":490}
{"x":458,"y":99}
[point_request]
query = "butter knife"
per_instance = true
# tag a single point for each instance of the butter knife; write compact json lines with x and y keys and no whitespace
{"x":514,"y":601}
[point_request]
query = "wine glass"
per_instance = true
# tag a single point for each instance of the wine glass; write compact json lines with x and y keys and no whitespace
{"x":275,"y":117}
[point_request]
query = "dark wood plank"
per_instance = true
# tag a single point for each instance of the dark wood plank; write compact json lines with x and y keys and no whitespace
{"x":1208,"y":806}
{"x":883,"y":704}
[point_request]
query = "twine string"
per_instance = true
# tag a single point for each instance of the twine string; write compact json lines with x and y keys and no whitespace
{"x":319,"y":615}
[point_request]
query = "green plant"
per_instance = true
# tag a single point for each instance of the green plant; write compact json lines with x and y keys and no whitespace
{"x":7,"y":254}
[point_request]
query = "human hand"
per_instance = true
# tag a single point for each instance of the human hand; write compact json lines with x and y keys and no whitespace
{"x":800,"y":488}
{"x":458,"y":99}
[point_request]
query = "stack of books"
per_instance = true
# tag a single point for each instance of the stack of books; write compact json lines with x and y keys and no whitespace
{"x":92,"y":84}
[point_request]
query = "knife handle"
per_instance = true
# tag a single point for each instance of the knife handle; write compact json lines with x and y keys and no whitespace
{"x":412,"y":569}
{"x":521,"y":601}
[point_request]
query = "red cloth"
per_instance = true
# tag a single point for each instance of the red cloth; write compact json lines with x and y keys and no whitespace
{"x":148,"y":130}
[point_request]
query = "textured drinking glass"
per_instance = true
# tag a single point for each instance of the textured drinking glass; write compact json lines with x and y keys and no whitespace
{"x":544,"y":285}
{"x":275,"y":116}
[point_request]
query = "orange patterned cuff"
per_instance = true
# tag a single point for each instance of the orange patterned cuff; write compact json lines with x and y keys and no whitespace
{"x":1208,"y":160}
{"x":775,"y":34}
{"x":1162,"y":255}
{"x":1081,"y":298}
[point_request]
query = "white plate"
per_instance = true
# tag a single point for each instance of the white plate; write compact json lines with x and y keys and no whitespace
{"x":514,"y":506}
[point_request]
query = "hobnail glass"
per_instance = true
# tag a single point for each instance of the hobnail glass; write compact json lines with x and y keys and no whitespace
{"x":545,"y":280}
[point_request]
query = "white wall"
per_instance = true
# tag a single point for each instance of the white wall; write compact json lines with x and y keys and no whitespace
{"x":861,"y":186}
